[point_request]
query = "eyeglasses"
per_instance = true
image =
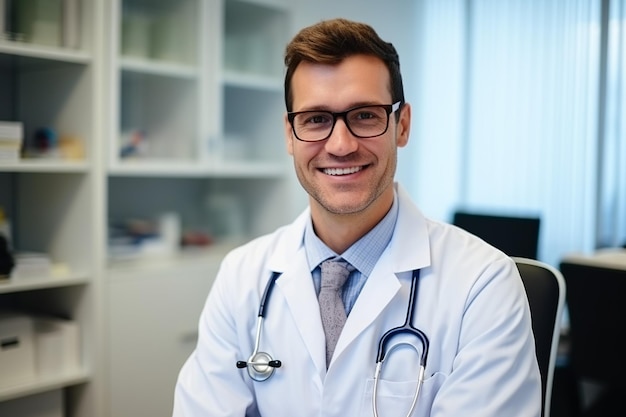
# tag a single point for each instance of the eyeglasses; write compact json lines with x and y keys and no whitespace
{"x":362,"y":121}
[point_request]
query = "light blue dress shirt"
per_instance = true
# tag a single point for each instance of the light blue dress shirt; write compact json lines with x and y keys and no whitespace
{"x":362,"y":255}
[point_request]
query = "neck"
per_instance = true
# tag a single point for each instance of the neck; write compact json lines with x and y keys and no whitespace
{"x":340,"y":231}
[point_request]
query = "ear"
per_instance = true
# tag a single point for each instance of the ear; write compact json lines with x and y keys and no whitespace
{"x":404,"y":126}
{"x":288,"y":135}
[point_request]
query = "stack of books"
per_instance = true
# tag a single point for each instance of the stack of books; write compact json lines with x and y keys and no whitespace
{"x":11,"y":138}
{"x":32,"y":265}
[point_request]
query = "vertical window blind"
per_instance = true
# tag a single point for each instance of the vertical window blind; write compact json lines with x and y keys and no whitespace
{"x":528,"y":97}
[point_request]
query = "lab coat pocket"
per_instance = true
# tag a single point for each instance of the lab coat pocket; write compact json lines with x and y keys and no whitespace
{"x":395,"y":398}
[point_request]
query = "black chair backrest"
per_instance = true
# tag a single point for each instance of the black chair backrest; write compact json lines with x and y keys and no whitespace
{"x":597,"y":307}
{"x":515,"y":236}
{"x":545,"y":289}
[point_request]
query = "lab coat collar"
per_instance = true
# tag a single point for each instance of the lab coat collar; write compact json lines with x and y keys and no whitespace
{"x":410,"y":243}
{"x":410,"y":238}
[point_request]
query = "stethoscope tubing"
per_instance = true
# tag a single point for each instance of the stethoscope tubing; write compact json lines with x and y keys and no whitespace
{"x":406,"y":328}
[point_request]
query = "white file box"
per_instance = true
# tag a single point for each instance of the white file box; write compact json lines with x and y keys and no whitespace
{"x":17,"y":350}
{"x":57,"y":346}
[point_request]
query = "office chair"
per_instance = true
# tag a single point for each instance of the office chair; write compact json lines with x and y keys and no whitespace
{"x":545,"y":289}
{"x":596,"y":307}
{"x":515,"y":236}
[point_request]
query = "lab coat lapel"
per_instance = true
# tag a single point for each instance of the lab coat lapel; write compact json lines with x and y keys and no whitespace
{"x":296,"y":284}
{"x":381,"y":287}
{"x":409,"y":249}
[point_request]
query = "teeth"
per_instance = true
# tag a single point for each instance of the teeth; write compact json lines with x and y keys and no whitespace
{"x":341,"y":171}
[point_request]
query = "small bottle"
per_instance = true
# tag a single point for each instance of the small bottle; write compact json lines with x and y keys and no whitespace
{"x":7,"y":262}
{"x":5,"y":227}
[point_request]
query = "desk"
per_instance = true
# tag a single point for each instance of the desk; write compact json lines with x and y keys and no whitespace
{"x":608,"y":258}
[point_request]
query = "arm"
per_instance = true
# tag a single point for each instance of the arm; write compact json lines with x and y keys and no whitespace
{"x":494,"y":372}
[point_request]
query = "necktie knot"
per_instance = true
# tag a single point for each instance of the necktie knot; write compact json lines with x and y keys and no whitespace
{"x":335,"y":273}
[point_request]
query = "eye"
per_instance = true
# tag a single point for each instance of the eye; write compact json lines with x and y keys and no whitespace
{"x":367,"y":114}
{"x":314,"y":119}
{"x":363,"y":115}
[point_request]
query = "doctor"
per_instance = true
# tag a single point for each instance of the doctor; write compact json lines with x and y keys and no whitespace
{"x":346,"y":118}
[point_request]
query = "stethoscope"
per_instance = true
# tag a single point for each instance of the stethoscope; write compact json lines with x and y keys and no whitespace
{"x":261,"y":366}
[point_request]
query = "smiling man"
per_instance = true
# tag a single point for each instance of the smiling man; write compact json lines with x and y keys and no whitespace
{"x":297,"y":322}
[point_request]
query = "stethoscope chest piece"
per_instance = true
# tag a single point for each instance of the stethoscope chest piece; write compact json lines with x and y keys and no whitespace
{"x":261,"y":366}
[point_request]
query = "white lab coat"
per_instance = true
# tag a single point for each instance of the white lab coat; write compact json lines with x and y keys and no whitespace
{"x":471,"y":305}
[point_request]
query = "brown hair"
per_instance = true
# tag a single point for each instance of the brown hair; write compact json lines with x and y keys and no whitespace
{"x":331,"y":41}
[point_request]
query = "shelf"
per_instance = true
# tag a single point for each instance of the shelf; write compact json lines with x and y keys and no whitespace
{"x":43,"y":384}
{"x":247,"y":169}
{"x":157,"y":168}
{"x":153,"y":67}
{"x":29,"y":284}
{"x":212,"y":253}
{"x":45,"y":165}
{"x":190,"y":169}
{"x":49,"y":53}
{"x":252,"y":81}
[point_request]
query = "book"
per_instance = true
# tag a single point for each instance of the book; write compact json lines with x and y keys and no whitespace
{"x":31,"y":265}
{"x":11,"y":131}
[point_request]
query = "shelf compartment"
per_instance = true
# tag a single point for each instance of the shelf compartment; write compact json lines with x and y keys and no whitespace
{"x":47,"y":216}
{"x":252,"y":33}
{"x":158,"y":117}
{"x":160,"y":30}
{"x":260,"y":137}
{"x":49,"y":93}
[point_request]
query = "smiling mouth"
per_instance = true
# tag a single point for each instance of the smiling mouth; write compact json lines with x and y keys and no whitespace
{"x":342,"y":171}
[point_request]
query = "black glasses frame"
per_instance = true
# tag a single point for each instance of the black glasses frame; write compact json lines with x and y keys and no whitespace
{"x":389,"y":108}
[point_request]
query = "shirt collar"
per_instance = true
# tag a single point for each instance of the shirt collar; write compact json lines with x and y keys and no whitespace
{"x":364,"y":253}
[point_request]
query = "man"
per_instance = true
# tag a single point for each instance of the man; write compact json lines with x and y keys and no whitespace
{"x":346,"y":117}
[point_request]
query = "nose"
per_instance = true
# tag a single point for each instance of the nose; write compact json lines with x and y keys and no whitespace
{"x":341,"y":141}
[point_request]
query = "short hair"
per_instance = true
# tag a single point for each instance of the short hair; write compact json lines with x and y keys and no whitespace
{"x":331,"y":41}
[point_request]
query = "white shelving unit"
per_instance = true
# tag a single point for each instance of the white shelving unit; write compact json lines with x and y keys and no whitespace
{"x":207,"y":121}
{"x":198,"y":83}
{"x":214,"y":154}
{"x":51,"y":200}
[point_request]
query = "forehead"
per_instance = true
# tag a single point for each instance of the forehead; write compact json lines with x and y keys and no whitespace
{"x":358,"y":79}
